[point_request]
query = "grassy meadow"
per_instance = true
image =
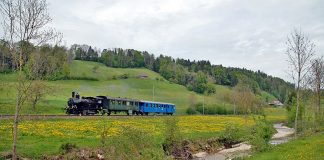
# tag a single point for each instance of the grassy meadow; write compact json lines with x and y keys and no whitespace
{"x":107,"y":83}
{"x":44,"y":137}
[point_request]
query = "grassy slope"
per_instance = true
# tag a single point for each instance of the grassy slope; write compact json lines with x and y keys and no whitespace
{"x":307,"y":148}
{"x":132,"y":87}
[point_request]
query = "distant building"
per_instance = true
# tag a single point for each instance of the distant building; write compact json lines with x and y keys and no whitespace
{"x":276,"y":103}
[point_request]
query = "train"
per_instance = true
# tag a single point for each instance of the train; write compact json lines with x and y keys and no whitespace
{"x":77,"y":105}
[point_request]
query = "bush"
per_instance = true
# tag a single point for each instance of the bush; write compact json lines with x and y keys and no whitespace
{"x":132,"y":143}
{"x":191,"y":111}
{"x":261,"y":134}
{"x":232,"y":134}
{"x":172,"y":139}
{"x":123,"y":76}
{"x":68,"y":147}
{"x":292,"y":113}
{"x":78,"y":78}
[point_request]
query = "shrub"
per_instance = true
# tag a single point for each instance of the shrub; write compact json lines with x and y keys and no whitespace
{"x":292,"y":113}
{"x":68,"y":147}
{"x":123,"y":76}
{"x":78,"y":78}
{"x":172,"y":138}
{"x":261,"y":134}
{"x":232,"y":134}
{"x":191,"y":111}
{"x":132,"y":143}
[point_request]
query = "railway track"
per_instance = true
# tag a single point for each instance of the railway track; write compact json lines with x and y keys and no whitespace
{"x":49,"y":116}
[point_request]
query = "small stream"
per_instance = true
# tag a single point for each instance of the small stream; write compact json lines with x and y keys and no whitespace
{"x":283,"y":135}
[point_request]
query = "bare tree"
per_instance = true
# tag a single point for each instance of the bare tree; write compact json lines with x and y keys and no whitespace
{"x":317,"y":83}
{"x":300,"y":51}
{"x":37,"y":91}
{"x":244,"y":98}
{"x":24,"y":22}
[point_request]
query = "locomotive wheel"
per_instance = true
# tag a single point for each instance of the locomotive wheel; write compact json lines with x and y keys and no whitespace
{"x":108,"y":113}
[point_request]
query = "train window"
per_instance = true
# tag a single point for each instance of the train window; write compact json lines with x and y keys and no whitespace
{"x":131,"y":103}
{"x":146,"y":104}
{"x":127,"y":103}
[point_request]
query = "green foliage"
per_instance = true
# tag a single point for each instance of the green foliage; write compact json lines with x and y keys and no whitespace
{"x":261,"y":134}
{"x":132,"y":143}
{"x":172,"y":136}
{"x":291,"y":108}
{"x":67,"y":147}
{"x":191,"y":111}
{"x":123,"y":76}
{"x":232,"y":134}
{"x":84,"y":52}
{"x":47,"y":62}
{"x":77,"y":78}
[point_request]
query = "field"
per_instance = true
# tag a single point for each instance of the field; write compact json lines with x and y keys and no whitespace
{"x":304,"y":148}
{"x":108,"y":83}
{"x":44,"y":137}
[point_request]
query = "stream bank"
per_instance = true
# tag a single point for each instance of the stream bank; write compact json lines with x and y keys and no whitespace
{"x":283,"y":135}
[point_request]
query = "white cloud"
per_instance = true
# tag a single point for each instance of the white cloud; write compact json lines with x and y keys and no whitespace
{"x":243,"y":33}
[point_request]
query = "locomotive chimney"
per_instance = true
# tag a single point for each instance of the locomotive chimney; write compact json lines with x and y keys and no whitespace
{"x":73,"y":94}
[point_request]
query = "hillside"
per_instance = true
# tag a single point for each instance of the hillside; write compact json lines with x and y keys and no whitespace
{"x":139,"y":88}
{"x":110,"y":81}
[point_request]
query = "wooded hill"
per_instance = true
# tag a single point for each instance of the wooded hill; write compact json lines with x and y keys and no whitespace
{"x":197,"y":76}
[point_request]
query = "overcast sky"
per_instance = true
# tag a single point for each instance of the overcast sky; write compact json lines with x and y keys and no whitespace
{"x":242,"y":33}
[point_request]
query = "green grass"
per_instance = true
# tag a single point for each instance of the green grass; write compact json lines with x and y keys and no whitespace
{"x":44,"y":137}
{"x":305,"y":148}
{"x":133,"y":87}
{"x":103,"y":73}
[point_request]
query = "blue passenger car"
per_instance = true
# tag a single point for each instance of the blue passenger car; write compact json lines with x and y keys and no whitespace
{"x":147,"y":107}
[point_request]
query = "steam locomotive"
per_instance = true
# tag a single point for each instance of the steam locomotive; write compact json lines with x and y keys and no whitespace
{"x":107,"y":105}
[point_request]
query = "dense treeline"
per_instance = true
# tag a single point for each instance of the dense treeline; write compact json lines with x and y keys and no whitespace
{"x":197,"y":76}
{"x":48,"y":62}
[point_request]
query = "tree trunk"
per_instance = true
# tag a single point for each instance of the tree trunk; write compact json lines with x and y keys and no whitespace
{"x":34,"y":103}
{"x":15,"y":125}
{"x":297,"y":110}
